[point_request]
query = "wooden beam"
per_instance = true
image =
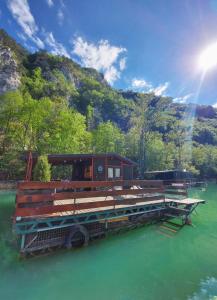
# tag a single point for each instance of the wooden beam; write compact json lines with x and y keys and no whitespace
{"x":92,"y":169}
{"x":183,"y":193}
{"x":36,"y":185}
{"x":84,"y":194}
{"x":42,"y":210}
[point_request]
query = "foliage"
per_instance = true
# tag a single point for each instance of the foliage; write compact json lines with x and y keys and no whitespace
{"x":43,"y":126}
{"x":42,"y":170}
{"x":147,"y":112}
{"x":62,"y":172}
{"x":108,"y":138}
{"x":64,"y":108}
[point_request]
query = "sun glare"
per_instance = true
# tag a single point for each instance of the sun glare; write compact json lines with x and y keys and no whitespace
{"x":208,"y":58}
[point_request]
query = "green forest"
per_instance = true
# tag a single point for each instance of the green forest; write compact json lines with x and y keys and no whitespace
{"x":61,"y":107}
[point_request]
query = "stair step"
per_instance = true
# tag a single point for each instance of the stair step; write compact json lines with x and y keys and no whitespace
{"x":171,"y":226}
{"x":171,"y":216}
{"x":164,"y":233}
{"x":174,"y":224}
{"x":168,"y":228}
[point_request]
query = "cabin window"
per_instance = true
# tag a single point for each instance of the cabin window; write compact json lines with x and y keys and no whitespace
{"x":117,"y":172}
{"x":110,"y":172}
{"x":87,"y":172}
{"x":100,"y":169}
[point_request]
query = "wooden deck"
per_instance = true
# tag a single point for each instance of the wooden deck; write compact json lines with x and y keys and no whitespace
{"x":186,"y":201}
{"x":51,"y":214}
{"x":92,"y":200}
{"x":35,"y":199}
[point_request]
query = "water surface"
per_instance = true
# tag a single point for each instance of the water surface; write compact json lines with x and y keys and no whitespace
{"x":140,"y":264}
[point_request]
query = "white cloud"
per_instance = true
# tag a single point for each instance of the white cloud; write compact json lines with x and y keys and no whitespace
{"x":21,"y":12}
{"x":38,"y":42}
{"x":60,"y":16}
{"x":183,"y":99}
{"x":101,"y":56}
{"x":62,"y":4}
{"x":160,"y":90}
{"x":22,"y":36}
{"x":112,"y":74}
{"x":144,"y":86}
{"x":140,"y":84}
{"x":214,"y":105}
{"x":56,"y":48}
{"x":50,"y":3}
{"x":122,"y":63}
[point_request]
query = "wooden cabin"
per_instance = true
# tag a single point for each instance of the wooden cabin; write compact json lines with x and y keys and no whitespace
{"x":93,"y":167}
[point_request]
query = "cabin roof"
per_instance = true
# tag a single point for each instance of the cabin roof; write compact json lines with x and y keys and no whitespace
{"x":165,"y":171}
{"x":67,"y":158}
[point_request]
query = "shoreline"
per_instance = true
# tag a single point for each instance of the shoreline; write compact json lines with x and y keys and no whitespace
{"x":8,"y":185}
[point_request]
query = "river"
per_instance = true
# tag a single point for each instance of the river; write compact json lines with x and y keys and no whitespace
{"x":139,"y":264}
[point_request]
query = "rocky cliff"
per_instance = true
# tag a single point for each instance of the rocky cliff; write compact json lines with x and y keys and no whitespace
{"x":16,"y":61}
{"x":9,"y":74}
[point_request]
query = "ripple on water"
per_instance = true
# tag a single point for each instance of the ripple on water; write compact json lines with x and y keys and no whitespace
{"x":207,"y":291}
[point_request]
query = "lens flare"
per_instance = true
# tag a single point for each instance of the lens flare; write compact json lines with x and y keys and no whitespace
{"x":208,"y":58}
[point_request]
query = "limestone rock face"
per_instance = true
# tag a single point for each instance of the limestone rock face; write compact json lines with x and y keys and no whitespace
{"x":70,"y":76}
{"x":9,"y":75}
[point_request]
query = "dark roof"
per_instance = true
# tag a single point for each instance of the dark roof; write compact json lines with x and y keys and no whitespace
{"x":165,"y":171}
{"x":64,"y":158}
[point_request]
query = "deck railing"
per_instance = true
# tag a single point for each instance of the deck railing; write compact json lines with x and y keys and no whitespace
{"x":57,"y":197}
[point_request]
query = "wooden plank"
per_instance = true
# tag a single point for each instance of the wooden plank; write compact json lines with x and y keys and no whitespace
{"x":185,"y":201}
{"x":168,"y":228}
{"x":34,"y":198}
{"x":34,"y":211}
{"x":183,"y":193}
{"x":85,"y":194}
{"x":174,"y":181}
{"x":176,"y":187}
{"x":162,"y":232}
{"x":36,"y":185}
{"x":91,"y":194}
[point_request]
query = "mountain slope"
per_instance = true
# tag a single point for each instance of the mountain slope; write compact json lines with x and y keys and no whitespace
{"x":150,"y":129}
{"x":82,"y":87}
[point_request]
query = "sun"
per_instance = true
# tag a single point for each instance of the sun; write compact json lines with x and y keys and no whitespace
{"x":208,"y":58}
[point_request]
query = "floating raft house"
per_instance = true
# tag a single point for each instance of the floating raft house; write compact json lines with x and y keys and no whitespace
{"x":101,"y":196}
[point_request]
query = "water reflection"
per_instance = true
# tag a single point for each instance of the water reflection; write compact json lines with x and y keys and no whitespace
{"x":207,"y":290}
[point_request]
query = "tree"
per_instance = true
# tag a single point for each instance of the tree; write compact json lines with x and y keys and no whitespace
{"x":34,"y":84}
{"x":108,"y":138}
{"x":90,"y":117}
{"x":42,"y":170}
{"x":146,"y":115}
{"x":181,"y":137}
{"x":159,"y":154}
{"x":204,"y":158}
{"x":11,"y":104}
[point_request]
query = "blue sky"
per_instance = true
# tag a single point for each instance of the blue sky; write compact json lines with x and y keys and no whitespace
{"x":142,"y":45}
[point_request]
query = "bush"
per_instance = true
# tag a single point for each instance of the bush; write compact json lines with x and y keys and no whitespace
{"x":42,"y":170}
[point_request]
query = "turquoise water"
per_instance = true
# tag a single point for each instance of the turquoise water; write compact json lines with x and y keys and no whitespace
{"x":140,"y":264}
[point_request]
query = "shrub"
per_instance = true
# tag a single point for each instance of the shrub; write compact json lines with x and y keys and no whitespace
{"x":42,"y":170}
